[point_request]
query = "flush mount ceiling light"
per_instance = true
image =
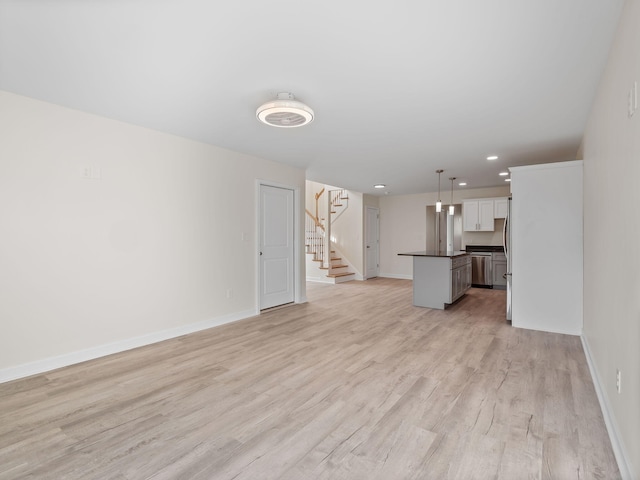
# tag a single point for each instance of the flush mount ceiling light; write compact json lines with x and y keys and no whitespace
{"x":503,"y":174}
{"x":379,"y":185}
{"x":284,"y":112}
{"x":492,"y":157}
{"x":463,"y":184}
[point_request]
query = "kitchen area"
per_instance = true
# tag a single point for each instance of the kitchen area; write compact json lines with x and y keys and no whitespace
{"x":466,"y":246}
{"x":499,"y":238}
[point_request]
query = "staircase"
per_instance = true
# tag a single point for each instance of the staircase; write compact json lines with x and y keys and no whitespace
{"x":322,"y":259}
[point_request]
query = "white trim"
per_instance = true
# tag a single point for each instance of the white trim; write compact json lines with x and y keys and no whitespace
{"x":546,"y":166}
{"x":52,"y":363}
{"x":619,"y":450}
{"x":398,"y":276}
{"x":366,"y":233}
{"x":319,"y":280}
{"x":549,"y":330}
{"x":298,"y":274}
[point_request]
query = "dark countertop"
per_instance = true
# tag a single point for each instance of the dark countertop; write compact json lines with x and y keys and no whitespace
{"x":456,"y":253}
{"x":484,"y":248}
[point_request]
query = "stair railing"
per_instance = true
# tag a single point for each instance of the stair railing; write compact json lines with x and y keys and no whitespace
{"x":318,"y":195}
{"x":317,"y":232}
{"x":339,"y":198}
{"x":314,"y":237}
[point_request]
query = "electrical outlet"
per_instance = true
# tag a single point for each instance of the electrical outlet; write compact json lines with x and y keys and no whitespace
{"x":618,"y":380}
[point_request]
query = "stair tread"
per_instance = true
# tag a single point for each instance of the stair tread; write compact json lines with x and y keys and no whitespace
{"x":343,"y":274}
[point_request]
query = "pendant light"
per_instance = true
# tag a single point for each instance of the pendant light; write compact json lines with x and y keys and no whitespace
{"x":452,"y":208}
{"x":439,"y":203}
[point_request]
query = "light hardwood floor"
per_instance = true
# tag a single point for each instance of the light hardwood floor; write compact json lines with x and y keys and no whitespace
{"x":355,"y":384}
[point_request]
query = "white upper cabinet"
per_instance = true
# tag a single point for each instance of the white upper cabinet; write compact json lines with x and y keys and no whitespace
{"x":500,"y":207}
{"x":478,"y":215}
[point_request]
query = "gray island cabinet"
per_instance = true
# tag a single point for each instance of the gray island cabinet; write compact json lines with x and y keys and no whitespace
{"x":439,"y":278}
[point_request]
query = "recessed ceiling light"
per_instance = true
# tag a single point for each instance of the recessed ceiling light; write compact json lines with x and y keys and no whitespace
{"x":503,"y":174}
{"x":492,"y":157}
{"x":379,"y":185}
{"x":463,"y":184}
{"x":507,"y":179}
{"x":285,"y":112}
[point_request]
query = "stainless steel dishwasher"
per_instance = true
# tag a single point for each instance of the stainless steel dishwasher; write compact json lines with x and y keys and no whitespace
{"x":481,"y":274}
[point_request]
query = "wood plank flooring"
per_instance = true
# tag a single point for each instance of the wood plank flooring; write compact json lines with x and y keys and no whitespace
{"x":355,"y":384}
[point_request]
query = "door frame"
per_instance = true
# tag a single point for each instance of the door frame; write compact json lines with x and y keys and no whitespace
{"x":298,"y":296}
{"x":366,"y":239}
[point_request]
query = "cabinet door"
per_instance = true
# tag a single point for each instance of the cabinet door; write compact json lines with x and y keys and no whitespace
{"x":470,"y":218}
{"x":457,"y":290}
{"x":452,"y":285}
{"x":485,"y":214}
{"x":499,"y":269}
{"x":500,"y":208}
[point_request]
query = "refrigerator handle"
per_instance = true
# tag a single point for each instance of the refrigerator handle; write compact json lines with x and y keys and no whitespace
{"x":504,"y":235}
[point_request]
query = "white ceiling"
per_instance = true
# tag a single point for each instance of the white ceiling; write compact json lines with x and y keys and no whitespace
{"x":399,"y":88}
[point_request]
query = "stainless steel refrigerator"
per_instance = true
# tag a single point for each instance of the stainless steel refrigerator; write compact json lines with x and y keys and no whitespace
{"x":444,"y":233}
{"x":506,"y":245}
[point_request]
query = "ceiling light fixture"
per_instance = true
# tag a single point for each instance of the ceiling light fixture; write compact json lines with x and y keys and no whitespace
{"x":503,"y":174}
{"x":462,"y":184}
{"x":439,"y":203}
{"x":492,"y":157}
{"x":507,"y":179}
{"x":285,"y":112}
{"x":452,"y":209}
{"x":379,"y":185}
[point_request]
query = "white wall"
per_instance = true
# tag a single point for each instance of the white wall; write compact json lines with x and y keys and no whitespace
{"x":89,"y":265}
{"x":546,"y":237}
{"x":371,"y":201}
{"x":403,"y":226}
{"x":611,"y":152}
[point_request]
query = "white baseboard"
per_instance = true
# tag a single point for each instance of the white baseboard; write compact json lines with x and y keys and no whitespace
{"x":319,"y":280}
{"x":537,"y":328}
{"x":52,"y":363}
{"x":398,"y":276}
{"x":617,"y":444}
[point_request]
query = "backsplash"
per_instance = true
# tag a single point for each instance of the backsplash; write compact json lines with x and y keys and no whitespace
{"x":484,"y":238}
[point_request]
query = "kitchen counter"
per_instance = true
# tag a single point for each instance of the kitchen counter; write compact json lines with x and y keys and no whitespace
{"x":484,"y":248}
{"x":439,"y":279}
{"x":450,"y":254}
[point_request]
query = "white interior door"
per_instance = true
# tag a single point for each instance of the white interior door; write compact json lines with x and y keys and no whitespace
{"x":276,"y":246}
{"x":372,"y":242}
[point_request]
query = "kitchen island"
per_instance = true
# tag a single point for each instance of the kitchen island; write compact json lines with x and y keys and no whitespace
{"x":439,"y":278}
